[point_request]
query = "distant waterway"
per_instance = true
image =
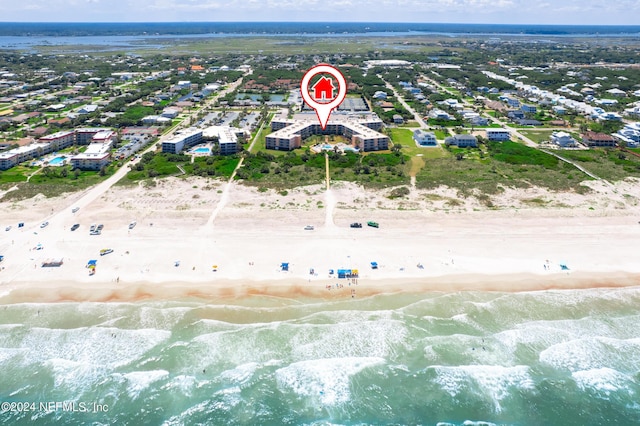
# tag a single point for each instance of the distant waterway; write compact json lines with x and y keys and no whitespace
{"x":112,"y":36}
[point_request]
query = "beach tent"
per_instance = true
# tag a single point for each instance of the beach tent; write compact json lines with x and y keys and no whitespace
{"x":564,"y":267}
{"x":284,"y":266}
{"x":374,"y":265}
{"x":344,"y":273}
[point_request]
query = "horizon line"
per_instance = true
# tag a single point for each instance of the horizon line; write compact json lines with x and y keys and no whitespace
{"x":318,"y":22}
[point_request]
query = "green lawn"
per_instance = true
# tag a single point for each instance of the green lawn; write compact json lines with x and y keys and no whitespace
{"x":402,"y":136}
{"x":537,"y":136}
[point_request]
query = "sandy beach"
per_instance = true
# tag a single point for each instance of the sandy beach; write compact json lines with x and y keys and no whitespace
{"x":431,"y":240}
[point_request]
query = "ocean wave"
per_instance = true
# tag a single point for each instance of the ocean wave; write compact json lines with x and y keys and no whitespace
{"x":593,"y":353}
{"x":604,"y":382}
{"x":494,"y":382}
{"x":324,"y":380}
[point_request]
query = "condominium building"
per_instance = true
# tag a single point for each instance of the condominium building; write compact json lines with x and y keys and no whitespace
{"x":182,"y":140}
{"x":361,"y":128}
{"x":96,"y":156}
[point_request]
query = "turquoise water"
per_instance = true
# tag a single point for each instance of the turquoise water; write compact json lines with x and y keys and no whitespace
{"x":202,"y":150}
{"x":56,"y":161}
{"x":561,"y":358}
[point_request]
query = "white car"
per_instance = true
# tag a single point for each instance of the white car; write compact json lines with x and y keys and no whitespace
{"x":75,"y":209}
{"x":8,"y":228}
{"x":308,"y":228}
{"x":44,"y":224}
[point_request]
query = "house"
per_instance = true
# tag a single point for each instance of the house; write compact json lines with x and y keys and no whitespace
{"x":529,"y":109}
{"x":380,"y":95}
{"x":87,"y":109}
{"x":498,"y":134}
{"x":592,"y":139}
{"x":563,"y":140}
{"x":559,"y":110}
{"x":617,"y":93}
{"x":630,"y":135}
{"x":512,"y":102}
{"x":439,"y":114}
{"x":515,"y":114}
{"x":462,"y":141}
{"x":397,"y":119}
{"x":587,"y":91}
{"x":170,"y":112}
{"x":612,"y":116}
{"x":423,"y":138}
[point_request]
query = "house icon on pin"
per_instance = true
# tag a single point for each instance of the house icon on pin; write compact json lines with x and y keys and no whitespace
{"x":323,"y":89}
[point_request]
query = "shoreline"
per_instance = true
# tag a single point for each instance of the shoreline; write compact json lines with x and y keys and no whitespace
{"x":294,"y":289}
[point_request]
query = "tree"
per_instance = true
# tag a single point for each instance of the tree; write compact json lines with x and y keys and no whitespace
{"x":103,"y":170}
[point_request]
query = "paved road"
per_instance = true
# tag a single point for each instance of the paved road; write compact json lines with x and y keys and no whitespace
{"x":408,"y":107}
{"x":93,"y":193}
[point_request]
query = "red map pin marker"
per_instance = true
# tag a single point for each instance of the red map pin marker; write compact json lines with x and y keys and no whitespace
{"x":323,"y":89}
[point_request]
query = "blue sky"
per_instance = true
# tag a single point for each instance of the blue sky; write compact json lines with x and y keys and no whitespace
{"x":461,"y":11}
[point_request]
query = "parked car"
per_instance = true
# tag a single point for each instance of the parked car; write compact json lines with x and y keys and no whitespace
{"x":99,"y":228}
{"x":75,"y":226}
{"x":373,"y":224}
{"x":105,"y":251}
{"x":75,"y":209}
{"x":8,"y":228}
{"x":132,"y":224}
{"x":44,"y":224}
{"x":356,"y":225}
{"x":96,"y":232}
{"x":92,"y":228}
{"x":309,"y":228}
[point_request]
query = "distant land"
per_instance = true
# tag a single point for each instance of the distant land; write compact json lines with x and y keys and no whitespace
{"x":321,"y":28}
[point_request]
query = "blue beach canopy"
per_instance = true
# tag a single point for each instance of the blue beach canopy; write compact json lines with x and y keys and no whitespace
{"x":92,"y":262}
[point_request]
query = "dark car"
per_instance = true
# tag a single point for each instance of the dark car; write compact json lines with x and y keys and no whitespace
{"x":356,"y":225}
{"x":75,"y":226}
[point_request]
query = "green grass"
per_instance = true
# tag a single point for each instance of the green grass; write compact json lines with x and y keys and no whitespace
{"x":504,"y":164}
{"x":606,"y":163}
{"x":402,"y":136}
{"x":537,"y":136}
{"x":54,"y":184}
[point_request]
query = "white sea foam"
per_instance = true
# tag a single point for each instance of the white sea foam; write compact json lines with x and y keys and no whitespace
{"x":182,"y":385}
{"x":73,"y":376}
{"x":240,"y":375}
{"x":95,"y":345}
{"x":603,"y":381}
{"x":325,"y":380}
{"x":381,"y":338}
{"x":7,"y":353}
{"x":494,"y":381}
{"x":593,"y":353}
{"x":137,"y":381}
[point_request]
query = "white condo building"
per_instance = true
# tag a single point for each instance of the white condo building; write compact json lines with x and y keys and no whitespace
{"x":361,"y":128}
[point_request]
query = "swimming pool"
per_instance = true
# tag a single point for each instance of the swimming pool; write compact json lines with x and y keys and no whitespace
{"x":202,"y":151}
{"x":56,"y":161}
{"x":327,"y":147}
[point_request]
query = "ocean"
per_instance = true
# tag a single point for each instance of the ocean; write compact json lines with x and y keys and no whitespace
{"x":470,"y":358}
